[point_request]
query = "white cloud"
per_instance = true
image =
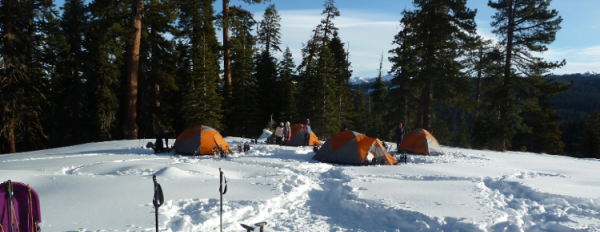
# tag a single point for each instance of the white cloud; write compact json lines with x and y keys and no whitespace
{"x":368,"y":34}
{"x":371,"y":33}
{"x":578,"y":60}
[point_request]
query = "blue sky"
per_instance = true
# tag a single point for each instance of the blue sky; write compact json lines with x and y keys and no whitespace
{"x":369,"y":27}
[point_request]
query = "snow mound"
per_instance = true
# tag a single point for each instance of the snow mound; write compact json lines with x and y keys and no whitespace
{"x":172,"y":173}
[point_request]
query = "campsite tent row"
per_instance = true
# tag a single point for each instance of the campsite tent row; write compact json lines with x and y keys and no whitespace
{"x":344,"y":147}
{"x":353,"y":148}
{"x":200,"y":140}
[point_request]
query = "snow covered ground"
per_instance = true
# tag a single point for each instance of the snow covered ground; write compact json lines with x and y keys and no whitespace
{"x":108,"y":186}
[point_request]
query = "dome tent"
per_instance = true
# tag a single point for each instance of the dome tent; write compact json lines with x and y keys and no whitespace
{"x":421,"y":142}
{"x":350,"y":147}
{"x":297,"y":136}
{"x":200,"y":140}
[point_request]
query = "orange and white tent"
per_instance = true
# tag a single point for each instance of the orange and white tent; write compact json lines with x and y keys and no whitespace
{"x":350,"y":147}
{"x":297,"y":136}
{"x":421,"y":142}
{"x":200,"y":140}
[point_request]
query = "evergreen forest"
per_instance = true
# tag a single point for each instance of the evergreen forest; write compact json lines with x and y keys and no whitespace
{"x":99,"y":70}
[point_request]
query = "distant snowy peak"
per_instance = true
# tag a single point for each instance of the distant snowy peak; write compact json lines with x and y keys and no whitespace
{"x":358,"y":80}
{"x":590,"y":73}
{"x":362,"y":80}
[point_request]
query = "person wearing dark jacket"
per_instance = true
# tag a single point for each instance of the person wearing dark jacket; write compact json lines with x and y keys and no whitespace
{"x":399,"y":135}
{"x":158,"y":145}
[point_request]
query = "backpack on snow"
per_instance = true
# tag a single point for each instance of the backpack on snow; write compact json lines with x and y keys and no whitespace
{"x":19,"y":208}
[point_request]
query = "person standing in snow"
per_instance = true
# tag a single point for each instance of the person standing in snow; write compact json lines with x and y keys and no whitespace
{"x":279,"y":134}
{"x":158,"y":144}
{"x":287,"y":132}
{"x":307,"y":132}
{"x":399,"y":135}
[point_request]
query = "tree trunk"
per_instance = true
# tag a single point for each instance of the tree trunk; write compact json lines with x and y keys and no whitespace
{"x":226,"y":55}
{"x":131,"y":129}
{"x":157,"y":77}
{"x":505,"y":105}
{"x":478,"y":91}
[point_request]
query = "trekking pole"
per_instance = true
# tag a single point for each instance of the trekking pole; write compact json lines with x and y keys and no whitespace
{"x":10,"y":206}
{"x":158,"y":199}
{"x":222,"y":192}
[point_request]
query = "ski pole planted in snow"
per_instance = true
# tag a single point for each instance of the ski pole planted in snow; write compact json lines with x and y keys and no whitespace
{"x":158,"y":199}
{"x":222,"y":191}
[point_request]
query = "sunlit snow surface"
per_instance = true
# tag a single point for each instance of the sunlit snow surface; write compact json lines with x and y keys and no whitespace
{"x":108,"y":186}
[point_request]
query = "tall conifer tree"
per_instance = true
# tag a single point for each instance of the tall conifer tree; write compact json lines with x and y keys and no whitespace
{"x":157,"y":67}
{"x":270,"y":86}
{"x":202,"y":99}
{"x":67,"y":121}
{"x":524,"y":26}
{"x":434,"y":36}
{"x":243,"y":111}
{"x":342,"y":74}
{"x":24,"y":54}
{"x":105,"y":62}
{"x":288,"y":78}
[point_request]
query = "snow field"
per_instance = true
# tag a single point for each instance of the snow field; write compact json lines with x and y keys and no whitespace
{"x":108,"y":187}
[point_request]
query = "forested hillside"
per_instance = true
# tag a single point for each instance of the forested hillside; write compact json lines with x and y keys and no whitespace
{"x":575,"y":107}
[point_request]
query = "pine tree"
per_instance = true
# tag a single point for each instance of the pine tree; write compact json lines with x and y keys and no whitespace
{"x":405,"y":87}
{"x":289,"y":90}
{"x":24,"y":54}
{"x":342,"y":74}
{"x":202,"y":99}
{"x":326,"y":110}
{"x":539,"y":131}
{"x":177,"y":100}
{"x":269,"y":30}
{"x":307,"y":85}
{"x":524,"y":26}
{"x":270,"y":86}
{"x":488,"y":66}
{"x":67,"y":120}
{"x":244,"y":114}
{"x":105,"y":62}
{"x":327,"y":26}
{"x":434,"y":37}
{"x":226,"y":45}
{"x":157,"y":68}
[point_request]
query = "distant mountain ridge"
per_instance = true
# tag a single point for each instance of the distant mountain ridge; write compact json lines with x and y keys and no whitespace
{"x":387,"y":78}
{"x":585,"y":74}
{"x":362,"y":80}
